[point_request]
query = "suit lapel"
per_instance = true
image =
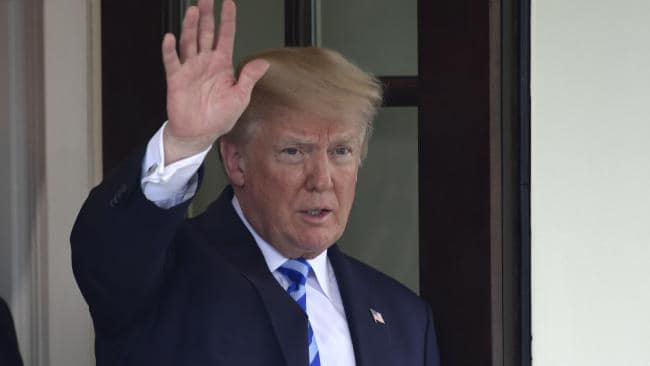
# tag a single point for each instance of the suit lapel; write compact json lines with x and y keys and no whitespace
{"x":371,"y":339}
{"x":287,"y":318}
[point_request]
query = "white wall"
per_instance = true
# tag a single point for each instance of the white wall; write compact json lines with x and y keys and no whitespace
{"x":591,"y":182}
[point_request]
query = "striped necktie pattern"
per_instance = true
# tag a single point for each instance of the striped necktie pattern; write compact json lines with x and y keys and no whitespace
{"x":296,"y":271}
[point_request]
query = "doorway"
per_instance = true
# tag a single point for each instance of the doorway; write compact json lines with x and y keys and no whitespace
{"x":444,"y":202}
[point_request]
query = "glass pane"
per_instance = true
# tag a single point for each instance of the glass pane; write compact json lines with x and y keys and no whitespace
{"x":214,"y":181}
{"x":260,"y":25}
{"x":383,"y":227}
{"x":378,"y":35}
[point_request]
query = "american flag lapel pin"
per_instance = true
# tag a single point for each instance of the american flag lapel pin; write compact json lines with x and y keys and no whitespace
{"x":377,"y":317}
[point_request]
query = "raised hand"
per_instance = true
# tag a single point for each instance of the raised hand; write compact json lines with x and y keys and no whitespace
{"x":204,"y":100}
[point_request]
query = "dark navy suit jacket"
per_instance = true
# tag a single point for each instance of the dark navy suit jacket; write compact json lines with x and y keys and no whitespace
{"x":9,"y":353}
{"x":167,"y":290}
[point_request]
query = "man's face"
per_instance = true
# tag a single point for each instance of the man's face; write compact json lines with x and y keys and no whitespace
{"x":299,"y":175}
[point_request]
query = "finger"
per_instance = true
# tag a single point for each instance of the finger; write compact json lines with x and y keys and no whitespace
{"x":250,"y":74}
{"x":170,"y":57}
{"x":206,"y":25}
{"x":227,"y":27}
{"x":188,"y":33}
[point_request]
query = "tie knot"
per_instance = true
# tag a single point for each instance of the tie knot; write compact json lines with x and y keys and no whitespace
{"x":296,"y":270}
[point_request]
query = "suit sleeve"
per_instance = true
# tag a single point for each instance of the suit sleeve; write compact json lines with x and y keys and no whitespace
{"x":122,"y":248}
{"x":432,"y":356}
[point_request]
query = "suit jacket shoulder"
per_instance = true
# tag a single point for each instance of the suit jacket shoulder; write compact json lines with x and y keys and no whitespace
{"x":389,"y":324}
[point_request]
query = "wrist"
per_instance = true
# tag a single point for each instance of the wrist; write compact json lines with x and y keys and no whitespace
{"x":176,"y":148}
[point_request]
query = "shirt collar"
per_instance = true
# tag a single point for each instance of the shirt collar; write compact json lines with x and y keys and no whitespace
{"x":274,"y":259}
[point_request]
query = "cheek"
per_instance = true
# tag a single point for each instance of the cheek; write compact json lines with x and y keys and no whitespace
{"x":268,"y":175}
{"x":279,"y":185}
{"x":347,"y":187}
{"x":265,"y":187}
{"x":350,"y":176}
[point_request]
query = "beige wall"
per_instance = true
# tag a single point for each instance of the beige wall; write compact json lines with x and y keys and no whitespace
{"x":590,"y":182}
{"x":49,"y":83}
{"x":15,"y":275}
{"x":71,"y":90}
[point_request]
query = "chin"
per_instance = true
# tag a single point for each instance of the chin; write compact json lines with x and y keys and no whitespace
{"x":318,"y":243}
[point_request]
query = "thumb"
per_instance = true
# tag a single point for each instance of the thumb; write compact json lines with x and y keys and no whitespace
{"x":250,"y":74}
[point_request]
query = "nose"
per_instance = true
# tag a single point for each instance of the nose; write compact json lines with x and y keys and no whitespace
{"x":319,"y":173}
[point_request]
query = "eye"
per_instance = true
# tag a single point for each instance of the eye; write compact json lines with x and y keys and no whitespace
{"x":291,"y":155}
{"x":342,"y":150}
{"x":290,"y":151}
{"x":342,"y":153}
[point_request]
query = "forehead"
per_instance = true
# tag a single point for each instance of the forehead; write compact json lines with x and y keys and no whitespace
{"x":310,"y":127}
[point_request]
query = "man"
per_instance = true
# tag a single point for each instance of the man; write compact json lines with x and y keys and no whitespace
{"x":257,"y":279}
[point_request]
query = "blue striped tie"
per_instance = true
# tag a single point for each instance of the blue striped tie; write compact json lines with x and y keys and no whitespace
{"x":296,"y":270}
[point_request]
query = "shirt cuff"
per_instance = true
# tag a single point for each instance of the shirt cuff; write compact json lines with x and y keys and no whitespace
{"x":168,"y":186}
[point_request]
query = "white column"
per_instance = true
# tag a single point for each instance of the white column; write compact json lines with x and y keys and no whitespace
{"x":591,"y":182}
{"x":71,"y":156}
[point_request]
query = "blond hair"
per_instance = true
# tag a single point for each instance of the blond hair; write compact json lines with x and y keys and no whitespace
{"x":314,"y":80}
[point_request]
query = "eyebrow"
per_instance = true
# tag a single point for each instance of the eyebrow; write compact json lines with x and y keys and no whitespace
{"x":299,"y":140}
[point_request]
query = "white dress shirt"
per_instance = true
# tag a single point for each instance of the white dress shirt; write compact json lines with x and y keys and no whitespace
{"x":167,"y":186}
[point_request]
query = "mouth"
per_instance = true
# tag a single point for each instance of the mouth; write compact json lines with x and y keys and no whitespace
{"x":316,"y":213}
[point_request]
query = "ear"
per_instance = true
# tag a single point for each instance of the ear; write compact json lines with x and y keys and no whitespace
{"x":233,"y":162}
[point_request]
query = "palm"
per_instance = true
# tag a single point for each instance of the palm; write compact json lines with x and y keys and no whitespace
{"x":204,"y":100}
{"x":202,"y":97}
